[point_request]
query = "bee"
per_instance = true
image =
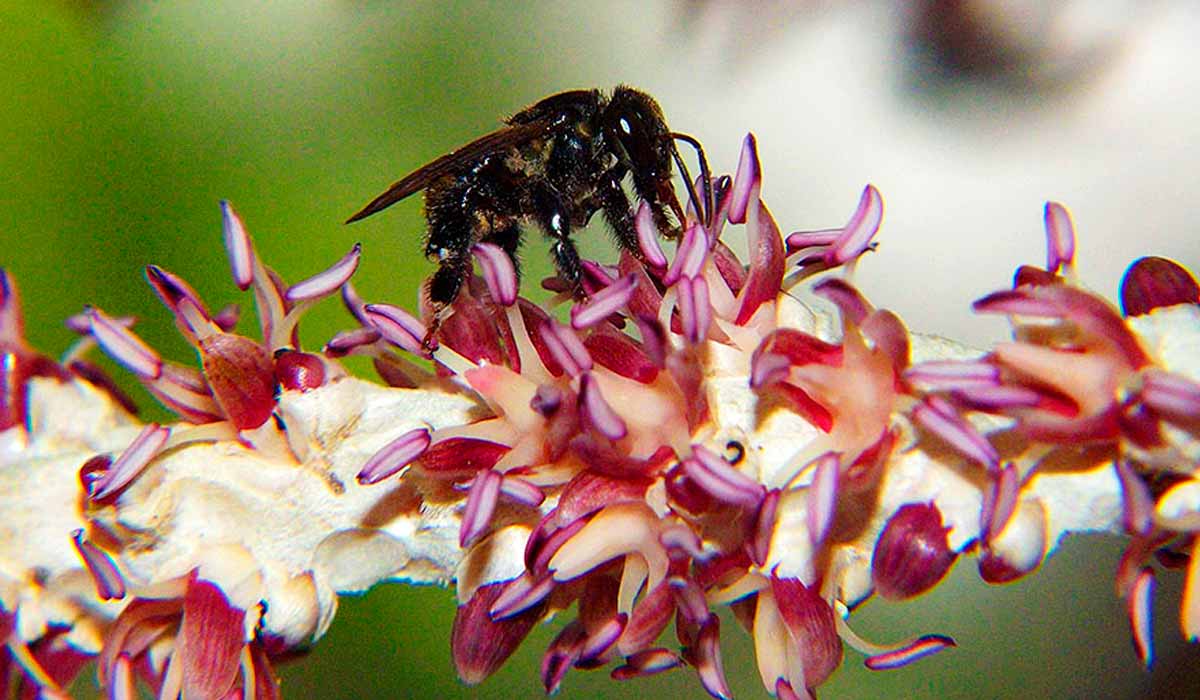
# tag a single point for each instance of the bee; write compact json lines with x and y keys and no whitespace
{"x":554,"y":164}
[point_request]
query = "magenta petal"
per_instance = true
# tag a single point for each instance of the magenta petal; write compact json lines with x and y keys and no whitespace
{"x":1137,"y":504}
{"x":654,"y":340}
{"x":746,"y":181}
{"x":238,"y":246}
{"x":862,"y":227}
{"x":937,"y":416}
{"x":107,"y":577}
{"x":124,"y":346}
{"x":1153,"y":282}
{"x":767,"y":263}
{"x":210,"y":641}
{"x":914,"y":651}
{"x":327,"y":282}
{"x":811,"y":627}
{"x":822,"y":497}
{"x":396,"y":455}
{"x":498,"y":271}
{"x":598,"y":413}
{"x":1141,"y":619}
{"x":11,"y":323}
{"x":1060,"y":237}
{"x":144,"y":448}
{"x":603,"y":303}
{"x":481,"y":505}
{"x":647,"y":234}
{"x":397,"y":326}
{"x":801,"y":240}
{"x":566,"y":348}
{"x":850,"y":301}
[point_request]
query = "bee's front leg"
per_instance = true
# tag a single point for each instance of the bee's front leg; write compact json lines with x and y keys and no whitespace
{"x":554,"y":218}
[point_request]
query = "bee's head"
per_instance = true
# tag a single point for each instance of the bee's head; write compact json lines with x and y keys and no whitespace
{"x":635,"y":130}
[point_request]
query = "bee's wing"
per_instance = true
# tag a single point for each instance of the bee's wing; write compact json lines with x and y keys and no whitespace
{"x":421,"y":178}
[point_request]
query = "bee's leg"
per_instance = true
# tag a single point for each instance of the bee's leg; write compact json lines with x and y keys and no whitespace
{"x":618,"y":212}
{"x":555,"y":221}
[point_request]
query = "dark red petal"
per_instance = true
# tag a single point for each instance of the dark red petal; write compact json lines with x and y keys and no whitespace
{"x":481,"y":645}
{"x":589,"y":491}
{"x":767,"y":263}
{"x":732,"y":270}
{"x":912,"y":553}
{"x":471,"y":331}
{"x":1153,"y":282}
{"x":808,"y":408}
{"x":210,"y":642}
{"x":649,"y":618}
{"x":800,"y":348}
{"x":460,"y":456}
{"x":620,"y":353}
{"x":242,"y":378}
{"x":811,"y":626}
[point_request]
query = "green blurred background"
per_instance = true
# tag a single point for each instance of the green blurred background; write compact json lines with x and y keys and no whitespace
{"x":123,"y":124}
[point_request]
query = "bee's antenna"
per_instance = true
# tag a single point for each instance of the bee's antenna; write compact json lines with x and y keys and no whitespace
{"x":705,"y":176}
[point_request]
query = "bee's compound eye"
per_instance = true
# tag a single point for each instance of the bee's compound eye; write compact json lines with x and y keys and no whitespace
{"x":735,"y":452}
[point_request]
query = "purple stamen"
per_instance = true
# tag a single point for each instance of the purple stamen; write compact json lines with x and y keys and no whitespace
{"x":327,"y":282}
{"x":913,"y":651}
{"x":238,"y":246}
{"x":144,"y":448}
{"x":396,"y":455}
{"x":397,"y":326}
{"x":227,"y":318}
{"x":768,"y":368}
{"x":597,"y":412}
{"x":746,"y":180}
{"x":1005,"y":491}
{"x":764,"y":527}
{"x":998,"y":398}
{"x":953,"y":374}
{"x":849,"y":301}
{"x":684,"y":539}
{"x":800,"y":240}
{"x":481,"y":505}
{"x":170,"y":288}
{"x":1060,"y":237}
{"x":519,"y":595}
{"x":498,"y":272}
{"x":721,"y":480}
{"x":522,"y":491}
{"x":109,"y":583}
{"x":124,"y":346}
{"x":862,"y":227}
{"x":936,"y":415}
{"x":822,"y":497}
{"x":603,"y":638}
{"x":346,"y":342}
{"x":354,"y":303}
{"x":695,"y":309}
{"x":566,"y":348}
{"x":603,"y":303}
{"x":1138,"y":505}
{"x":1141,"y":618}
{"x":546,"y":400}
{"x":1173,"y":395}
{"x":1019,"y":303}
{"x":647,"y":234}
{"x":646,"y":663}
{"x":689,"y":257}
{"x":690,"y":599}
{"x":708,"y":659}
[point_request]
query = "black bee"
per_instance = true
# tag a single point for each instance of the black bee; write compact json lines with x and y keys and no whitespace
{"x":555,"y":163}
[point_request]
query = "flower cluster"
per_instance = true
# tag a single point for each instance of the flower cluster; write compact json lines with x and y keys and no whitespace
{"x":704,"y":429}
